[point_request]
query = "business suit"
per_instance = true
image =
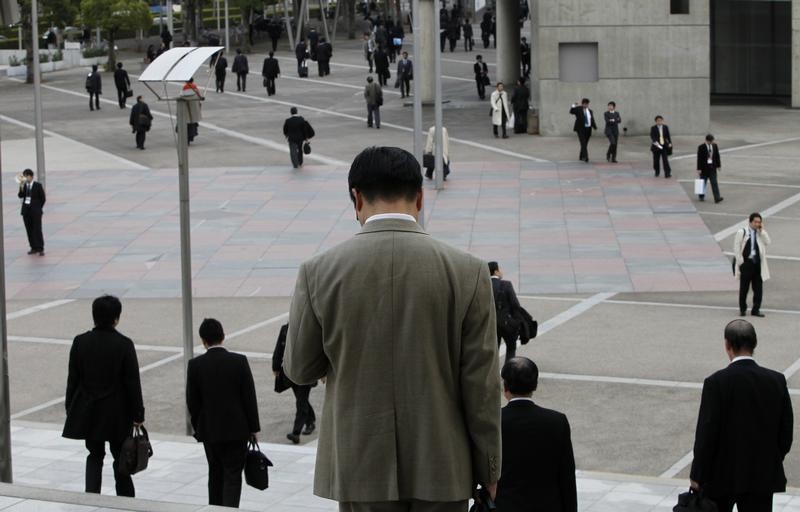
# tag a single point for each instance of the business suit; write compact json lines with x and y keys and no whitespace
{"x":481,"y":70}
{"x":103,"y":400}
{"x":220,"y":70}
{"x":123,"y":82}
{"x":270,"y":71}
{"x":520,"y":103}
{"x":33,"y":199}
{"x":538,"y":463}
{"x":613,"y":120}
{"x":241,"y":67}
{"x":584,"y":124}
{"x":744,"y":431}
{"x":221,"y":397}
{"x":661,"y":138}
{"x":297,"y":130}
{"x":412,"y":405}
{"x":506,"y":303}
{"x":751,"y":271}
{"x":373,"y":94}
{"x":140,"y":120}
{"x":304,"y":415}
{"x":708,"y":161}
{"x":405,"y":72}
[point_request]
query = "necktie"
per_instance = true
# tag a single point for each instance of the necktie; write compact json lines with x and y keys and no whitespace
{"x":753,"y":245}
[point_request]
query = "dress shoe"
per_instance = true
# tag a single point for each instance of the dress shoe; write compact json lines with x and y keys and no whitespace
{"x":742,"y":313}
{"x":294,"y":438}
{"x":41,"y":253}
{"x":505,"y":136}
{"x":719,"y":200}
{"x":32,"y":251}
{"x":608,"y":158}
{"x":757,"y":313}
{"x":656,"y":175}
{"x":613,"y":160}
{"x":701,"y":198}
{"x":309,"y":429}
{"x":667,"y":176}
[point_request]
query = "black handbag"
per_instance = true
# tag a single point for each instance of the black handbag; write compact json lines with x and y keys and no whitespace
{"x":427,"y":161}
{"x":136,"y":452}
{"x":694,"y":501}
{"x":486,"y":80}
{"x":306,"y":148}
{"x":669,"y":150}
{"x":256,"y":467}
{"x":282,"y":382}
{"x":129,"y":93}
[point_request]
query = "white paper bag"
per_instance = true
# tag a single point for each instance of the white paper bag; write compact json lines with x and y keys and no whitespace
{"x":510,"y":121}
{"x":700,"y":187}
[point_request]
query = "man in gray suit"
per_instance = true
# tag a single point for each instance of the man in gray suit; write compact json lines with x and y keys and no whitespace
{"x":403,"y":327}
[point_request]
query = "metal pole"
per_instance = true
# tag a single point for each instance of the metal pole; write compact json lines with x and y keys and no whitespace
{"x":5,"y":404}
{"x":437,"y":100}
{"x":325,"y":22}
{"x":170,"y":26}
{"x":418,"y":149}
{"x":336,"y":18}
{"x":19,"y":36}
{"x":303,"y":7}
{"x":37,"y":95}
{"x":216,"y":10}
{"x":186,"y":244}
{"x":227,"y":30}
{"x":288,"y":24}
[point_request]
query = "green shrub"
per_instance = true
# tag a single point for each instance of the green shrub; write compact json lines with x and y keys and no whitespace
{"x":57,"y":56}
{"x":90,"y":53}
{"x":13,"y":61}
{"x":44,"y":57}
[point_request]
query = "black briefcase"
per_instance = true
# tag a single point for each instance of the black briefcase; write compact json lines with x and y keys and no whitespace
{"x":256,"y":467}
{"x":129,"y":93}
{"x":306,"y":148}
{"x":694,"y":501}
{"x":136,"y":452}
{"x":427,"y":161}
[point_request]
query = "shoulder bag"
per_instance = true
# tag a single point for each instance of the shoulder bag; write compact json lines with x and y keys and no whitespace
{"x":256,"y":467}
{"x":136,"y":452}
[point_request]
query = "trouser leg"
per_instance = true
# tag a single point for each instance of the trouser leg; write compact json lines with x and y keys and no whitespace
{"x":94,"y":465}
{"x":504,"y":121}
{"x":36,"y":238}
{"x":215,"y":473}
{"x":369,"y":114}
{"x":494,"y":129}
{"x":121,"y":97}
{"x":377,"y":114}
{"x":233,"y":455}
{"x":481,"y":87}
{"x":124,"y":483}
{"x":758,"y":288}
{"x":745,"y":277}
{"x":657,"y":161}
{"x":294,"y":153}
{"x":511,"y":348}
{"x":583,"y":138}
{"x":27,"y":219}
{"x":712,"y":177}
{"x":301,"y":408}
{"x":140,"y":135}
{"x":665,"y":160}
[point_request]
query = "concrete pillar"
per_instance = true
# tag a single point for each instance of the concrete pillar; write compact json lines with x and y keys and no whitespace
{"x":795,"y":74}
{"x":424,"y":74}
{"x":508,"y":63}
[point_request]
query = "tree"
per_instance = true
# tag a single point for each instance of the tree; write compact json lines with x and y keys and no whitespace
{"x":112,"y":15}
{"x":56,"y":13}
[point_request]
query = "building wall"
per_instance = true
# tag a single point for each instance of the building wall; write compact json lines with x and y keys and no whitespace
{"x":649,"y":61}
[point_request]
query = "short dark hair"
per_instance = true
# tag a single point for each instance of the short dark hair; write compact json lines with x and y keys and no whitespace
{"x":710,"y":138}
{"x":387,"y":173}
{"x":741,"y":335}
{"x":119,"y":65}
{"x":238,"y":50}
{"x":659,"y":117}
{"x":293,"y":110}
{"x":493,"y":267}
{"x":479,"y":57}
{"x":369,"y":79}
{"x":754,"y":216}
{"x":94,"y":67}
{"x":271,"y":54}
{"x":520,"y":376}
{"x":211,"y":332}
{"x":27,"y":172}
{"x":584,"y":101}
{"x":106,"y":310}
{"x":612,"y":104}
{"x":138,"y":97}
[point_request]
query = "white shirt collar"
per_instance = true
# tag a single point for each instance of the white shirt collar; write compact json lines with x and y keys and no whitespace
{"x":495,"y":277}
{"x":521,"y":398}
{"x":212,"y":347}
{"x":386,"y":216}
{"x":741,"y":358}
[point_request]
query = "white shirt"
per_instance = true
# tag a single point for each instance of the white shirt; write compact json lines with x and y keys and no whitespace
{"x":521,"y":398}
{"x":753,"y":242}
{"x":386,"y":216}
{"x":588,"y":114}
{"x":710,"y":154}
{"x":741,"y":358}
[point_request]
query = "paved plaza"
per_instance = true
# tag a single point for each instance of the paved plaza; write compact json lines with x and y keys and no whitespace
{"x":627,"y":274}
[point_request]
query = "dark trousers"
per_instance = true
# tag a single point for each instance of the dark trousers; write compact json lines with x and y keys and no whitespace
{"x":660,"y":155}
{"x":121,"y":97}
{"x":191,"y":129}
{"x":374,"y":111}
{"x":241,"y":82}
{"x":584,"y":134}
{"x":453,"y":44}
{"x":381,"y":77}
{"x":405,"y":86}
{"x":304,"y":413}
{"x":521,"y":121}
{"x":324,"y":67}
{"x":709,"y":174}
{"x":750,"y":275}
{"x":94,"y":468}
{"x":33,"y":228}
{"x":225,"y":465}
{"x":296,"y":153}
{"x":96,"y":96}
{"x":611,"y":154}
{"x":469,"y":43}
{"x":220,"y":82}
{"x":442,"y":41}
{"x":503,"y":121}
{"x":485,"y":39}
{"x":369,"y":61}
{"x":140,"y":135}
{"x":275,"y":44}
{"x":481,"y":86}
{"x":511,"y":345}
{"x":300,"y":64}
{"x":270,"y":86}
{"x":745,"y":503}
{"x":526,"y":67}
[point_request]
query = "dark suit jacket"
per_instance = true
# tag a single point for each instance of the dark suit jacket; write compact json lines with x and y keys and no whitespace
{"x":221,"y":397}
{"x":381,"y":61}
{"x":297,"y":129}
{"x":702,"y":157}
{"x":37,"y":199}
{"x":324,"y":51}
{"x":613,"y":120}
{"x":538,"y":464}
{"x":121,"y":79}
{"x":95,"y":82}
{"x":104,"y":393}
{"x":480,"y":69}
{"x":505,"y":301}
{"x":744,"y":430}
{"x":405,"y":69}
{"x":240,"y":65}
{"x":654,"y":136}
{"x":136,"y":119}
{"x":271,"y":68}
{"x":580,"y":119}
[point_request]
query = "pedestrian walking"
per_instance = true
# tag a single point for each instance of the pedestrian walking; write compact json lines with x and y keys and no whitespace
{"x":481,"y":76}
{"x":270,"y":71}
{"x":275,"y":30}
{"x":324,"y":54}
{"x":369,"y":49}
{"x":405,"y":73}
{"x":750,"y":262}
{"x":507,"y":310}
{"x":584,"y":124}
{"x":429,"y":161}
{"x":708,"y":165}
{"x":166,"y":38}
{"x":525,"y":57}
{"x":301,"y":54}
{"x":190,"y":90}
{"x":469,"y":42}
{"x":221,"y":398}
{"x":150,"y":55}
{"x":613,"y":120}
{"x":373,"y":94}
{"x":94,"y":86}
{"x":486,"y":28}
{"x":297,"y":131}
{"x":123,"y":84}
{"x":453,"y":33}
{"x":520,"y":103}
{"x":220,"y":70}
{"x":304,"y":418}
{"x":500,"y":109}
{"x":661,"y":146}
{"x":31,"y":192}
{"x":313,"y":43}
{"x":104,"y":394}
{"x":241,"y":67}
{"x":382,"y":66}
{"x":140,"y":121}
